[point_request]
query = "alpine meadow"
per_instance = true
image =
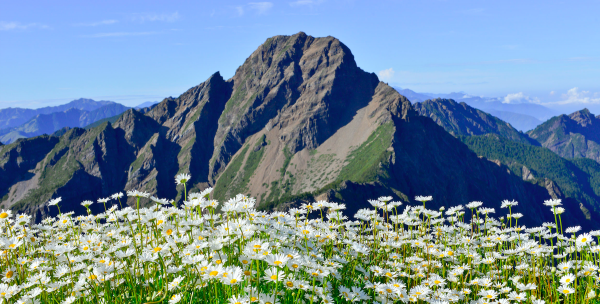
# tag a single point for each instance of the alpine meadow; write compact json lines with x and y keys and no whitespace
{"x":281,"y":169}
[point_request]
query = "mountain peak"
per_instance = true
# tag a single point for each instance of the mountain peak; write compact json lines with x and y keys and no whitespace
{"x":583,"y":117}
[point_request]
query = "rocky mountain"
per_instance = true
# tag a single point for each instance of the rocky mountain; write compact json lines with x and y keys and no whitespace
{"x":14,"y":117}
{"x":571,"y":136}
{"x":49,"y":123}
{"x":298,"y":121}
{"x":460,"y":119}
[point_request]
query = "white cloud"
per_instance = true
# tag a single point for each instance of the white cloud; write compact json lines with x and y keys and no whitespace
{"x":386,"y":74}
{"x":155,"y":17}
{"x":260,"y":7}
{"x":520,"y":98}
{"x":575,"y":95}
{"x":121,"y":34}
{"x":9,"y":26}
{"x":103,"y":22}
{"x":552,"y":93}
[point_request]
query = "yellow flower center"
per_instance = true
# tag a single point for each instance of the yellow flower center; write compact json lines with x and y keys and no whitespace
{"x":92,"y":277}
{"x":277,"y":263}
{"x":289,"y":284}
{"x":157,"y":249}
{"x":213,"y":273}
{"x":3,"y":215}
{"x":9,"y":274}
{"x":169,"y":231}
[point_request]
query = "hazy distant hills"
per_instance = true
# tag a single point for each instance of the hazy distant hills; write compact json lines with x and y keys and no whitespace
{"x":299,"y":121}
{"x":522,"y":116}
{"x":521,"y":122}
{"x":146,"y":104}
{"x":72,"y":117}
{"x":14,"y":117}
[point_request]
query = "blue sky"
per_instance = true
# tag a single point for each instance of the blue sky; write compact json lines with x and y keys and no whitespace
{"x":51,"y":52}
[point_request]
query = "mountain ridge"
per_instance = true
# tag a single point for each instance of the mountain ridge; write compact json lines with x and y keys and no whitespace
{"x":14,"y":117}
{"x":299,"y":119}
{"x":571,"y":136}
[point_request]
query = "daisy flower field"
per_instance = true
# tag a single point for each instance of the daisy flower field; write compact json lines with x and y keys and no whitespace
{"x":205,"y":251}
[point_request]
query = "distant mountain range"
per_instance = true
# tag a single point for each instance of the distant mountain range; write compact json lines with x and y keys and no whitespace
{"x":522,"y":116}
{"x":14,"y":117}
{"x":146,"y":104}
{"x":299,"y":121}
{"x":77,"y":113}
{"x":50,"y":123}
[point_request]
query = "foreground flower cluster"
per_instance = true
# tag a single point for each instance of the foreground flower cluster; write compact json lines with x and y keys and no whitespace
{"x":207,"y":252}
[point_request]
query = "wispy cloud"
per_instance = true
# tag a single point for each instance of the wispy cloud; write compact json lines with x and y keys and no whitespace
{"x":260,"y":7}
{"x":473,"y":11}
{"x":11,"y":26}
{"x":103,"y":22}
{"x":121,"y":34}
{"x":152,"y":17}
{"x":239,"y":10}
{"x":583,"y":58}
{"x":489,"y":62}
{"x":510,"y":46}
{"x":386,"y":74}
{"x":306,"y":2}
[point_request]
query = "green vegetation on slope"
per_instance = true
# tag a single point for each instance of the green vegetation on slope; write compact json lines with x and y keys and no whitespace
{"x":228,"y":176}
{"x":363,"y":163}
{"x":579,"y":178}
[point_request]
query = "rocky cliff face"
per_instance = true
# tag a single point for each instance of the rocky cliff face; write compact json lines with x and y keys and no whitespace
{"x":298,"y":121}
{"x":461,"y":119}
{"x":571,"y":136}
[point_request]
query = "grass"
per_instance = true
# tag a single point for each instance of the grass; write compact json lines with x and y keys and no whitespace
{"x":228,"y":176}
{"x":363,"y":162}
